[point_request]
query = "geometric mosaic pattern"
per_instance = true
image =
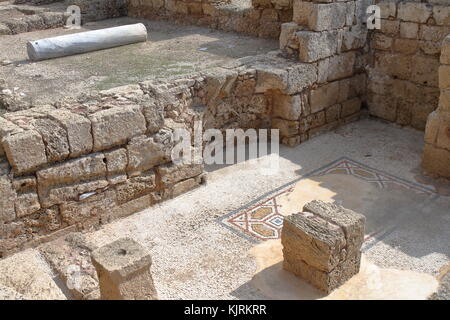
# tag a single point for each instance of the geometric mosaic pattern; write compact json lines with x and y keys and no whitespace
{"x":261,"y":220}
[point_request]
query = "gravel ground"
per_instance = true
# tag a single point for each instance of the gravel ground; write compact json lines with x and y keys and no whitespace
{"x":195,"y":257}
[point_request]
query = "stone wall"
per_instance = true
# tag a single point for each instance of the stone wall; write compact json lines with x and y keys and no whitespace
{"x":262,"y":19}
{"x":81,"y":162}
{"x":403,"y":77}
{"x":436,"y":156}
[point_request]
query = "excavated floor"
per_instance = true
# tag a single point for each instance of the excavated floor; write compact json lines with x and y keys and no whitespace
{"x":171,"y":50}
{"x":199,"y":253}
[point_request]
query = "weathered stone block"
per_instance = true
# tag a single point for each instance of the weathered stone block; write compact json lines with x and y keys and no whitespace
{"x":288,"y":107}
{"x":94,"y":207}
{"x":116,"y":126}
{"x":351,"y":106}
{"x":436,"y":160}
{"x":320,"y":17}
{"x":54,"y":137}
{"x":116,"y":161}
{"x":444,"y":101}
{"x":444,"y":77}
{"x":409,"y":30}
{"x":415,"y":12}
{"x":170,"y":173}
{"x":432,"y":128}
{"x":441,"y":15}
{"x":445,"y":54}
{"x":324,"y":96}
{"x":26,"y":204}
{"x":7,"y":198}
{"x":314,"y":46}
{"x":25,"y":151}
{"x":78,"y":130}
{"x":443,"y":136}
{"x":336,"y":67}
{"x":123,"y":269}
{"x":287,"y":32}
{"x":145,"y":152}
{"x":382,"y":107}
{"x":136,"y":187}
{"x":76,"y":170}
{"x":287,"y":128}
{"x":322,"y":244}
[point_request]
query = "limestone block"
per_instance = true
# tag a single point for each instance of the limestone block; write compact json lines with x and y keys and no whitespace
{"x":444,"y":101}
{"x":288,"y":107}
{"x":26,"y":204}
{"x":415,"y":12}
{"x":116,"y":126}
{"x":353,"y":38}
{"x":443,"y":136}
{"x":78,"y":130}
{"x":123,"y":269}
{"x":314,"y":46}
{"x":333,"y":113}
{"x":424,"y":71}
{"x":395,"y":65}
{"x":287,"y":32}
{"x":54,"y":137}
{"x":28,"y":274}
{"x":8,"y":293}
{"x":25,"y":184}
{"x":116,"y":161}
{"x":171,"y":173}
{"x":76,"y":170}
{"x":324,"y":96}
{"x":419,"y":113}
{"x":390,"y":27}
{"x":92,"y":208}
{"x":290,"y":81}
{"x":219,"y":82}
{"x":441,"y":15}
{"x":4,"y":30}
{"x":445,"y":54}
{"x":321,"y":17}
{"x":154,"y":115}
{"x":381,"y":42}
{"x":136,"y":187}
{"x":406,"y":46}
{"x":409,"y":30}
{"x":322,"y":244}
{"x":7,"y":199}
{"x":146,"y":152}
{"x":351,"y":106}
{"x":25,"y":151}
{"x":287,"y":128}
{"x":382,"y":107}
{"x":336,"y":67}
{"x":184,"y":186}
{"x":433,"y":33}
{"x":50,"y":195}
{"x":436,"y":160}
{"x":388,"y":9}
{"x":315,"y":120}
{"x":444,"y":77}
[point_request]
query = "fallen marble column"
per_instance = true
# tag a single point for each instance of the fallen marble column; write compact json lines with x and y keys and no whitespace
{"x":123,"y":269}
{"x":82,"y":42}
{"x":322,"y":244}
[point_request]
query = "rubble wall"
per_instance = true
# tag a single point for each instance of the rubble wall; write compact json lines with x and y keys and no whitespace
{"x":403,"y":74}
{"x":262,"y":19}
{"x":81,"y":163}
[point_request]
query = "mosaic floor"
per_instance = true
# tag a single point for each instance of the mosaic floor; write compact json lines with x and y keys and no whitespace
{"x":262,"y":219}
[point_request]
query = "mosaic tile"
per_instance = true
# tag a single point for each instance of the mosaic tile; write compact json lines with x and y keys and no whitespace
{"x":261,"y":219}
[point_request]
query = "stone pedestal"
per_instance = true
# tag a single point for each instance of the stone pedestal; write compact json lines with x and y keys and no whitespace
{"x":123,"y":269}
{"x":322,"y":244}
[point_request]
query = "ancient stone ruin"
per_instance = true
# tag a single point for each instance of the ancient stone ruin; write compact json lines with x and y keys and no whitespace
{"x":322,"y":244}
{"x":80,"y":162}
